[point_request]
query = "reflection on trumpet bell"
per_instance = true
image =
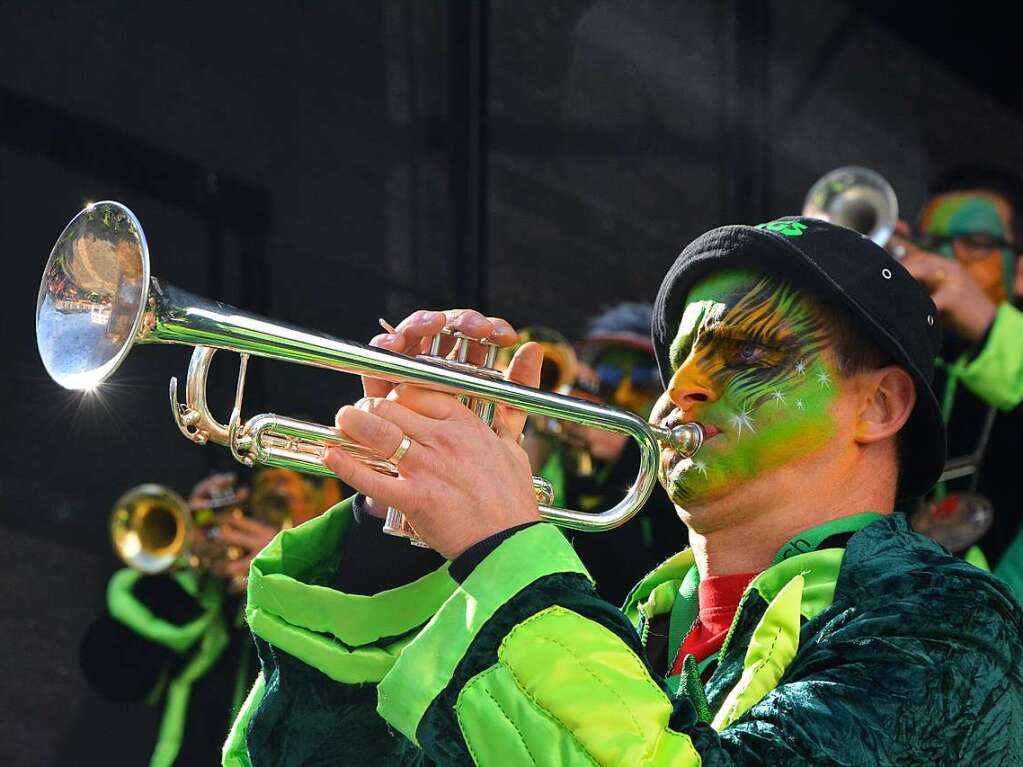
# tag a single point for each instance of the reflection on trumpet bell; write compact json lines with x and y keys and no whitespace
{"x":150,"y":526}
{"x":856,"y":198}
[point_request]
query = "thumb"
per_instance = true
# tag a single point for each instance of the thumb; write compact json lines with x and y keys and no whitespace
{"x":524,"y":369}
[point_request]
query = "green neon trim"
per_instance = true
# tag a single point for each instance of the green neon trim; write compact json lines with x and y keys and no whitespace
{"x":172,"y":725}
{"x":582,"y":676}
{"x":809,"y":540}
{"x":425,"y":666}
{"x":554,"y":472}
{"x":692,"y":687}
{"x":818,"y":571}
{"x":126,"y":609}
{"x":500,"y":727}
{"x":671,"y":570}
{"x":771,"y":649}
{"x":684,"y":611}
{"x":1010,"y":566}
{"x":976,"y":557}
{"x":283,"y":584}
{"x":996,"y":374}
{"x":358,"y":666}
{"x":236,"y":752}
{"x":241,"y":679}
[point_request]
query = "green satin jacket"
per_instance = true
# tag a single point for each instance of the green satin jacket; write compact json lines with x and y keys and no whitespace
{"x":878,"y":649}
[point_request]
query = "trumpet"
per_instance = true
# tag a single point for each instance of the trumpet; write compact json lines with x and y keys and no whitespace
{"x":97,"y":300}
{"x":151,"y":529}
{"x":857,"y":198}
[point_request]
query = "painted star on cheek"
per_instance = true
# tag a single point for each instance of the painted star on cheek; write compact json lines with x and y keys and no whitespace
{"x":778,"y":396}
{"x":701,"y":467}
{"x":823,"y":379}
{"x":801,"y":367}
{"x":800,"y":405}
{"x":742,"y":420}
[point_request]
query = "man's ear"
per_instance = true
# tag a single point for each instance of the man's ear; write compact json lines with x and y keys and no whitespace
{"x":888,"y":398}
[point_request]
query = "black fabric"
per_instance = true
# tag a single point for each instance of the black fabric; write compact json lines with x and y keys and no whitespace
{"x":884,"y":300}
{"x":118,"y":663}
{"x":617,"y":559}
{"x":166,"y":599}
{"x":305,"y":718}
{"x":466,"y":562}
{"x":657,"y":653}
{"x":437,"y":732}
{"x":123,"y":666}
{"x":375,"y":562}
{"x":998,"y":480}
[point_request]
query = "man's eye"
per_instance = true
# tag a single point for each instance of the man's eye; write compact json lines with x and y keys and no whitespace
{"x":747,"y":352}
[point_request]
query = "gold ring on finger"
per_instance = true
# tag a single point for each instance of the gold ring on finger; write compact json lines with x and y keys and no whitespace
{"x":399,"y":452}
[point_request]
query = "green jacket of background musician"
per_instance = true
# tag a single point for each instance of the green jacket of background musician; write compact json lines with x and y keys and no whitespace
{"x":884,"y":650}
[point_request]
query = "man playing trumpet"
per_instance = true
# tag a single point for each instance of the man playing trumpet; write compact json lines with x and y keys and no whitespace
{"x":805,"y":625}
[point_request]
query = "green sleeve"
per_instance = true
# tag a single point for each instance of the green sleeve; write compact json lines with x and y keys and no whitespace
{"x":555,"y":675}
{"x":996,"y":374}
{"x":322,"y":652}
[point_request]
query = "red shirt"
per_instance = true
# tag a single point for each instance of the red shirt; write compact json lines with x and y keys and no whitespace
{"x":719,"y":599}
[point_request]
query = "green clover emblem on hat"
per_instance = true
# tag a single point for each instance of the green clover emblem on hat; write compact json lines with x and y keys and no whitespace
{"x":788,"y":228}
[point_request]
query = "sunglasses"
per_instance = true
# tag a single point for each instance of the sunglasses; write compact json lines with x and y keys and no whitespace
{"x":979,"y":243}
{"x":611,"y":377}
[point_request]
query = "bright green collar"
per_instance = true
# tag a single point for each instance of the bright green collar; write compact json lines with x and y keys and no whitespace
{"x":788,"y":562}
{"x":810,"y":540}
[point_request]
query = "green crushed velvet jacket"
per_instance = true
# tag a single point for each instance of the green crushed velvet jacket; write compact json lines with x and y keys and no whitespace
{"x":886,"y":651}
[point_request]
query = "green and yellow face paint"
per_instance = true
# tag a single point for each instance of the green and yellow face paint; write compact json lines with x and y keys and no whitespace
{"x":751,"y":365}
{"x":951,"y":222}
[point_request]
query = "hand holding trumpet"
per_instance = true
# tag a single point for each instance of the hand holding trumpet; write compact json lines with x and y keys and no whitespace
{"x":459,"y":481}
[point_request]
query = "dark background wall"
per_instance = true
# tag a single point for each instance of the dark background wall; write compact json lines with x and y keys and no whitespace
{"x":331,"y":163}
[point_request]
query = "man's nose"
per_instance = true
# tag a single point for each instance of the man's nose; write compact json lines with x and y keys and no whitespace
{"x":690,"y":385}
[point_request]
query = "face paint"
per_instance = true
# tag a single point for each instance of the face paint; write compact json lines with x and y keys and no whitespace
{"x":953,"y":216}
{"x":751,"y":365}
{"x":628,"y":379}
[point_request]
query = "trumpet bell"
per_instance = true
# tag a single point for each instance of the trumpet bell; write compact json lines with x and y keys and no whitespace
{"x":149,"y":526}
{"x":92,"y":296}
{"x":560,"y":364}
{"x":856,"y":198}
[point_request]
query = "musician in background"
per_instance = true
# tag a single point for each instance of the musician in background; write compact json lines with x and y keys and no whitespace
{"x":591,"y":469}
{"x":178,"y":639}
{"x":805,"y":625}
{"x":967,"y":254}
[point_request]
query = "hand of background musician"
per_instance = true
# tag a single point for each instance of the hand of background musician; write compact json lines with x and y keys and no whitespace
{"x":460,"y":481}
{"x":248,"y":537}
{"x":962,"y":302}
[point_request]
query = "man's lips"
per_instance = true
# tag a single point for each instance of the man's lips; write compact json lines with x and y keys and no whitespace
{"x":709,"y":429}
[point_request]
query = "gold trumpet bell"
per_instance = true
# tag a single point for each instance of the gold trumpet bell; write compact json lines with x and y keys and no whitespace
{"x":560,"y":364}
{"x":150,"y":527}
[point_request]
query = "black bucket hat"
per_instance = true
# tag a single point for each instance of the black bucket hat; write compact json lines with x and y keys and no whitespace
{"x":849,"y":271}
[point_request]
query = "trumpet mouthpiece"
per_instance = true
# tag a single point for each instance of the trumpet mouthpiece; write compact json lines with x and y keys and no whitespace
{"x":685,"y":438}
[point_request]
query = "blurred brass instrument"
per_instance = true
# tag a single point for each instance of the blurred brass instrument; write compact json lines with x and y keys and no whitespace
{"x":560,"y":365}
{"x":98,"y":299}
{"x":151,"y":529}
{"x":856,"y":198}
{"x":150,"y":526}
{"x":557,"y":372}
